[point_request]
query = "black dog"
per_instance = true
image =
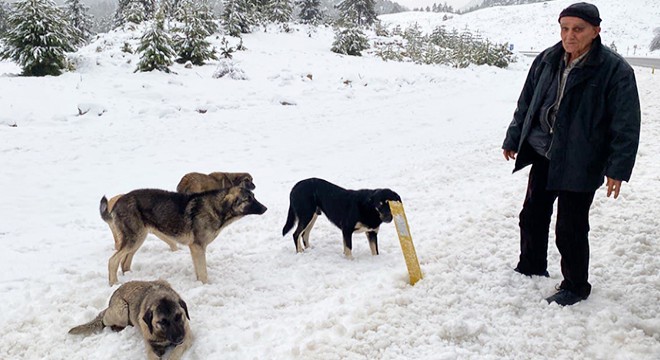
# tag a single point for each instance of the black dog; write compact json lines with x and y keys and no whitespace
{"x":349,"y":210}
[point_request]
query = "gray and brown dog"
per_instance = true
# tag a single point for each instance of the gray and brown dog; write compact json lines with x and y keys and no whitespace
{"x":155,"y":308}
{"x":188,"y":219}
{"x":195,"y":182}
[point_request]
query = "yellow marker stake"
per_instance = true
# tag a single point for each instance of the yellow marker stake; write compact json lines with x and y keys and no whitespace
{"x":401,"y":224}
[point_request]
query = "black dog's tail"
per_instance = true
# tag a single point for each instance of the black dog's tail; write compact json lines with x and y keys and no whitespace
{"x":103,"y":209}
{"x":290,"y":221}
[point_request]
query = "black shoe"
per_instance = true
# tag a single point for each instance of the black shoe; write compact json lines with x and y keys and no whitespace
{"x":544,"y":273}
{"x":565,"y":297}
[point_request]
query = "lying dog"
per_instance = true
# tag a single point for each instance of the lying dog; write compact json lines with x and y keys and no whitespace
{"x":196,"y":182}
{"x":189,"y":219}
{"x":159,"y":311}
{"x":349,"y":210}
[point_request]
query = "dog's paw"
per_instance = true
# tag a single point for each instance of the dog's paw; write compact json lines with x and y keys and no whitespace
{"x":348,"y":253}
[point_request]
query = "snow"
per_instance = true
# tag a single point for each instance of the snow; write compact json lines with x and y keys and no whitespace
{"x":456,"y":4}
{"x":534,"y":26}
{"x":431,"y":133}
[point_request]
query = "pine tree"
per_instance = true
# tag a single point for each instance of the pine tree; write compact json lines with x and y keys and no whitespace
{"x":155,"y":47}
{"x":279,"y":11}
{"x":190,"y":42}
{"x":238,"y":16}
{"x":358,"y":12}
{"x":310,"y":11}
{"x":350,"y":41}
{"x":79,"y":18}
{"x":200,"y":9}
{"x":37,"y":38}
{"x":655,"y":43}
{"x":4,"y":13}
{"x":134,"y":11}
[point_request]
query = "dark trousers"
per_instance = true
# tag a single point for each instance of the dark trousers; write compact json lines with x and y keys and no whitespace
{"x":571,"y":232}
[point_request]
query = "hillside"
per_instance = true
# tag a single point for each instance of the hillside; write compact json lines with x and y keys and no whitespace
{"x":535,"y":27}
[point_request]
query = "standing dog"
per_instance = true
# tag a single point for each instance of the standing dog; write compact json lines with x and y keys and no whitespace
{"x":189,"y":219}
{"x":349,"y":210}
{"x":195,"y":182}
{"x":159,"y":311}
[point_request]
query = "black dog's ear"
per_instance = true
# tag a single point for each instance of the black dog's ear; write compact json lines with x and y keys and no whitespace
{"x":185,"y":308}
{"x":148,"y":316}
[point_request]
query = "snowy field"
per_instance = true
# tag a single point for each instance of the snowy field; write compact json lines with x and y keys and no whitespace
{"x":431,"y":133}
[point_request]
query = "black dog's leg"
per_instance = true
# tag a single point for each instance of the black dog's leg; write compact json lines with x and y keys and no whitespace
{"x":372,"y":236}
{"x":303,"y":224}
{"x":308,"y":229}
{"x":348,"y":242}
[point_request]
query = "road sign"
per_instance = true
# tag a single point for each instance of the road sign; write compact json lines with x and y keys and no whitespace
{"x":402,"y":229}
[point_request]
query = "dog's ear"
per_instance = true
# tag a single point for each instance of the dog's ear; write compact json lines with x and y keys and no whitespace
{"x":147,"y":318}
{"x":185,"y":308}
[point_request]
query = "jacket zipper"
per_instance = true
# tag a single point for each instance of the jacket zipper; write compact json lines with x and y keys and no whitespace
{"x":547,"y":113}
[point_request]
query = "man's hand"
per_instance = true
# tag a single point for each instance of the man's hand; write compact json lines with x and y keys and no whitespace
{"x":509,"y":154}
{"x":613,"y":186}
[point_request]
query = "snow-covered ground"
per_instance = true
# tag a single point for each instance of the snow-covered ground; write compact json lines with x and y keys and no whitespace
{"x":431,"y":133}
{"x":629,"y":25}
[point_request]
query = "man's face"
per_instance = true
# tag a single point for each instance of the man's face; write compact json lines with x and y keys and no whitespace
{"x":577,"y":35}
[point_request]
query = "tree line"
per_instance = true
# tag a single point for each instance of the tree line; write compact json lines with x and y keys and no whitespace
{"x":37,"y":34}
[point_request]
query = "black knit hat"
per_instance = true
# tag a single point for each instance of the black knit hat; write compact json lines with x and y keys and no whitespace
{"x":584,"y":11}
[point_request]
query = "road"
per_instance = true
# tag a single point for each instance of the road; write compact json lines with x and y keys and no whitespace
{"x":632,"y":60}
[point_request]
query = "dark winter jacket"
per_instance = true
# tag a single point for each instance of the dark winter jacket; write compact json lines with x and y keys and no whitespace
{"x":596,"y":131}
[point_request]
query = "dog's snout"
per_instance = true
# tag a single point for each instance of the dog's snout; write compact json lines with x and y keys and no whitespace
{"x":258,"y":208}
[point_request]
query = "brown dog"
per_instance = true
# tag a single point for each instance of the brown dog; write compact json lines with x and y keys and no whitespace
{"x":156,"y":308}
{"x":189,"y":219}
{"x":195,"y":182}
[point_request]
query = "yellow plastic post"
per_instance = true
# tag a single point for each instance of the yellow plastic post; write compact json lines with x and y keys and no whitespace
{"x":402,"y":229}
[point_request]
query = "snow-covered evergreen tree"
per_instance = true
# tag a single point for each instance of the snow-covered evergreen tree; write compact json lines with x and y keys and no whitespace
{"x":78,"y":15}
{"x":201,"y":9}
{"x":37,"y":38}
{"x":655,"y":43}
{"x":310,"y":11}
{"x":134,"y":11}
{"x":4,"y":13}
{"x":190,"y":41}
{"x":155,"y":48}
{"x":358,"y":12}
{"x":279,"y":11}
{"x":238,"y":16}
{"x":350,"y":41}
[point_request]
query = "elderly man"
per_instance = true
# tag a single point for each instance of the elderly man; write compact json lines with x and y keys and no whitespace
{"x":577,"y":123}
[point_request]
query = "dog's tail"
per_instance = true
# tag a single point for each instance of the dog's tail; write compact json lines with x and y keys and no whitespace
{"x":91,"y":327}
{"x":103,"y":209}
{"x":290,"y":221}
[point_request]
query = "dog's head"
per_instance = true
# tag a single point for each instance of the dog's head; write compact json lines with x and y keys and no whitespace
{"x":244,"y":180}
{"x":165,"y":320}
{"x":379,"y":200}
{"x":243,"y":202}
{"x":228,"y":179}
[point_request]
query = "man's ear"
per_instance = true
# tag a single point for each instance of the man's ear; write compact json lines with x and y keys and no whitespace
{"x":148,"y":316}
